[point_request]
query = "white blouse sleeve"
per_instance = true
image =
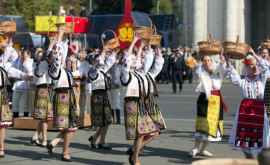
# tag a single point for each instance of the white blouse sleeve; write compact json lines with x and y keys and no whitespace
{"x":55,"y":69}
{"x":13,"y":72}
{"x":148,"y":60}
{"x":125,"y":70}
{"x":157,"y":67}
{"x":233,"y":75}
{"x":109,"y":62}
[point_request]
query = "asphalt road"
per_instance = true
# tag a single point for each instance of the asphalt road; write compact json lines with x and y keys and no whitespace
{"x":171,"y":148}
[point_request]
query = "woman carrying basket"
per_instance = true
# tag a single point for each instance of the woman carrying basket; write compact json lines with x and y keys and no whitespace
{"x":140,"y":126}
{"x":247,"y":135}
{"x":210,"y":105}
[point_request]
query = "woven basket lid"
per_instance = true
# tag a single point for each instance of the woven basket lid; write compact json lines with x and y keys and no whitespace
{"x":141,"y":19}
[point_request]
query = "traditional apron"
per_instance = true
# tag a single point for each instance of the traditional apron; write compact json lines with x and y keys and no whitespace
{"x":101,"y":112}
{"x":138,"y":122}
{"x":250,"y":124}
{"x":43,"y":104}
{"x":210,"y":114}
{"x":66,"y":115}
{"x":5,"y":112}
{"x":152,"y":104}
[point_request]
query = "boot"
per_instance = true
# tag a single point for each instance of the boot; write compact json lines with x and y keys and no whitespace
{"x":15,"y":114}
{"x":118,"y":116}
{"x":26,"y":114}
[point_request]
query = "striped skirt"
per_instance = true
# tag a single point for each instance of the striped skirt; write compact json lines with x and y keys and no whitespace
{"x":138,"y":121}
{"x":101,"y":112}
{"x":66,"y":115}
{"x":43,"y":105}
{"x":5,"y":111}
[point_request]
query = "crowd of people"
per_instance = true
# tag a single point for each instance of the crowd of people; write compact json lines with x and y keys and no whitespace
{"x":58,"y":83}
{"x":54,"y":84}
{"x":175,"y":69}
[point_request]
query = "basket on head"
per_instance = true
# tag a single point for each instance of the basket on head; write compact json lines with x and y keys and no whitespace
{"x":155,"y":38}
{"x":235,"y":50}
{"x":209,"y":47}
{"x":145,"y":31}
{"x":266,"y":43}
{"x":226,"y":162}
{"x":3,"y":40}
{"x":7,"y":26}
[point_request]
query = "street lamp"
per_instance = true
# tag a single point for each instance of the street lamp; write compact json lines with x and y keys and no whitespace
{"x":158,"y":5}
{"x":90,"y":6}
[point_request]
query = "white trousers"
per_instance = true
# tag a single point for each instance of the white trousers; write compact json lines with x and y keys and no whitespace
{"x":115,"y":98}
{"x":23,"y":101}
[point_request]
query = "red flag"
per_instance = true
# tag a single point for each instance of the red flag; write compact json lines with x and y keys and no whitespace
{"x":125,"y":28}
{"x":78,"y":24}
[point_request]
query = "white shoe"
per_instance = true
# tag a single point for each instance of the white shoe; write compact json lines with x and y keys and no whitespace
{"x":206,"y":153}
{"x":194,"y":152}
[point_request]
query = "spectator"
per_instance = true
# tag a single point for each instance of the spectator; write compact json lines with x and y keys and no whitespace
{"x":177,"y":69}
{"x":22,"y":88}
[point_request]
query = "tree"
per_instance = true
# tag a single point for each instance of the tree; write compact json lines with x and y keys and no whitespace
{"x":29,"y":9}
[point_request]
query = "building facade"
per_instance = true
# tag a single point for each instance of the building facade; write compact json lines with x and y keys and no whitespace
{"x":225,"y":20}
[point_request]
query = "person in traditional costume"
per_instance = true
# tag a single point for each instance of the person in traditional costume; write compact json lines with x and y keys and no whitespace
{"x":210,"y":105}
{"x":7,"y":57}
{"x":139,"y":124}
{"x":101,"y":113}
{"x":72,"y":65}
{"x":65,"y":112}
{"x":43,"y":99}
{"x":246,"y":135}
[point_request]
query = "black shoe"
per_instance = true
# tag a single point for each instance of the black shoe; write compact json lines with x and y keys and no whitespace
{"x":91,"y":141}
{"x":26,"y":114}
{"x":118,"y":117}
{"x":129,"y":151}
{"x":50,"y":148}
{"x":15,"y":114}
{"x":34,"y":142}
{"x":131,"y":162}
{"x":104,"y":147}
{"x":65,"y":159}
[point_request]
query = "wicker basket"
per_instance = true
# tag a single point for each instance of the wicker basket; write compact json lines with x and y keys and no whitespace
{"x":144,"y":32}
{"x":3,"y":41}
{"x":226,"y":162}
{"x":191,"y":62}
{"x":155,"y":38}
{"x":8,"y":26}
{"x":236,"y":50}
{"x":209,"y":47}
{"x":266,"y":44}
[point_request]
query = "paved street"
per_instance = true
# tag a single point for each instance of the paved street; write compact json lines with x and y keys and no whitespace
{"x":171,"y":148}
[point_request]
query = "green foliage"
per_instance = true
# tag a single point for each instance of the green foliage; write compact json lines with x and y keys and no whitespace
{"x":166,"y":7}
{"x":30,"y":8}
